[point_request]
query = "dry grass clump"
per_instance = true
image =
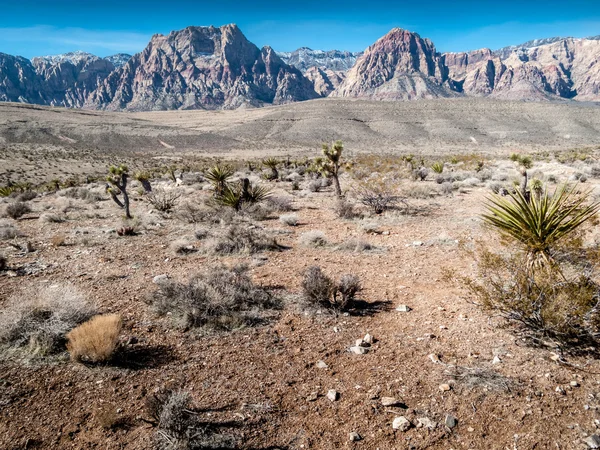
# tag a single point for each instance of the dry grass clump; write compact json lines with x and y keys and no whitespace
{"x":95,"y":340}
{"x":221,"y":298}
{"x":51,"y":218}
{"x":182,"y":247}
{"x":39,"y":317}
{"x":289,"y":219}
{"x":163,"y":200}
{"x":81,"y":193}
{"x":480,"y":378}
{"x":356,"y":245}
{"x":319,"y":289}
{"x":279,"y":203}
{"x":26,"y":196}
{"x":8,"y":231}
{"x":58,"y":240}
{"x":240,"y":238}
{"x":17,"y":210}
{"x":313,"y":238}
{"x":344,"y":209}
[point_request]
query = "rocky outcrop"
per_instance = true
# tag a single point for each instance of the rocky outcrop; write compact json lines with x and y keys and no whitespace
{"x":19,"y":81}
{"x":201,"y":67}
{"x":305,"y":58}
{"x":399,"y":66}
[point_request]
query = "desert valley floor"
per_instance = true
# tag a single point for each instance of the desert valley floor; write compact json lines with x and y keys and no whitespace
{"x":461,"y":376}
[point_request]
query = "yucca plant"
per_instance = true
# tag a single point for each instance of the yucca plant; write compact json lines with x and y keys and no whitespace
{"x":539,"y":223}
{"x":437,"y":167}
{"x":524,"y":163}
{"x":5,"y":191}
{"x":218,"y":176}
{"x":236,"y":196}
{"x":144,"y":179}
{"x":271,"y":163}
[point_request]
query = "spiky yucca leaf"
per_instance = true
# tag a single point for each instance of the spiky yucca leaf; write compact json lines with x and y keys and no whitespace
{"x":271,"y":163}
{"x":437,"y":167}
{"x":538,"y":224}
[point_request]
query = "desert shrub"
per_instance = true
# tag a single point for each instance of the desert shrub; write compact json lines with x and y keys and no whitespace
{"x":313,"y":238}
{"x":578,"y":176}
{"x":419,"y":191}
{"x":356,"y":245}
{"x":280,"y":204}
{"x":201,"y":234}
{"x":438,"y":167}
{"x":178,"y":425}
{"x":378,"y":195}
{"x":319,"y":289}
{"x":95,"y":340}
{"x":241,"y":239}
{"x":17,"y":210}
{"x":240,"y":195}
{"x":7,"y":232}
{"x":81,"y":193}
{"x":315,"y":185}
{"x":221,"y":298}
{"x":421,"y":173}
{"x":51,"y":218}
{"x":26,"y":196}
{"x":58,"y":240}
{"x":496,"y":187}
{"x":447,"y":188}
{"x":295,"y":185}
{"x":446,"y":177}
{"x":289,"y":219}
{"x":194,"y":213}
{"x":344,"y":209}
{"x":163,"y":200}
{"x":559,"y":301}
{"x":40,"y":317}
{"x":257,"y":211}
{"x":181,"y":247}
{"x":471,"y":182}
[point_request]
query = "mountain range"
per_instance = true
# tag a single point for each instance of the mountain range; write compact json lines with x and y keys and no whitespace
{"x":218,"y":68}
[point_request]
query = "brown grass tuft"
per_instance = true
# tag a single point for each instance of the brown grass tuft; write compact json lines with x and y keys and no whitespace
{"x":95,"y":340}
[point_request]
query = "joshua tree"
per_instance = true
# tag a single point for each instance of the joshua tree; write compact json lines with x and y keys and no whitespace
{"x":272,"y":164}
{"x":218,"y":176}
{"x":330,"y":165}
{"x":144,"y":179}
{"x":118,"y":178}
{"x":524,"y":163}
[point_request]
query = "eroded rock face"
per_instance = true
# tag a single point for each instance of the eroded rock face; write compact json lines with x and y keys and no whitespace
{"x":19,"y":81}
{"x":324,"y":81}
{"x":201,"y":67}
{"x":399,"y":66}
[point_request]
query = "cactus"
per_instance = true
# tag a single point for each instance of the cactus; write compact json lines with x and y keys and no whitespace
{"x":118,"y":178}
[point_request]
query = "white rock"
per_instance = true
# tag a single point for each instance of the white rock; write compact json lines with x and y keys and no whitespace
{"x":359,"y":350}
{"x":401,"y":423}
{"x":445,"y":387}
{"x":160,"y":278}
{"x":332,"y":395}
{"x":574,"y":383}
{"x":496,"y":360}
{"x":389,"y":401}
{"x":368,"y":339}
{"x":426,"y":422}
{"x":322,"y":364}
{"x":403,"y":308}
{"x":592,"y":441}
{"x":354,"y":436}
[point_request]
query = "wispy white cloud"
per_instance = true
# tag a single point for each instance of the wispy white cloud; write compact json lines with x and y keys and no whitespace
{"x":42,"y":40}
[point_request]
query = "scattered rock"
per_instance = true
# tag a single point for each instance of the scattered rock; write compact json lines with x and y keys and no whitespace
{"x":434,"y":358}
{"x":401,"y":423}
{"x":426,"y":422}
{"x":389,"y":401}
{"x":362,"y":343}
{"x":160,"y":278}
{"x":445,"y":387}
{"x":496,"y":360}
{"x":592,"y":441}
{"x":332,"y":395}
{"x":417,"y":243}
{"x":450,"y":421}
{"x":560,"y":390}
{"x":322,"y":364}
{"x":403,"y":308}
{"x":368,"y":339}
{"x":359,"y":350}
{"x":574,"y":383}
{"x":354,"y":436}
{"x":312,"y":397}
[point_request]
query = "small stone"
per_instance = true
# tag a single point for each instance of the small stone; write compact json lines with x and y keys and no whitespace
{"x":386,"y":233}
{"x":336,"y":329}
{"x":574,"y":383}
{"x":417,"y":243}
{"x":362,"y":343}
{"x":312,"y":397}
{"x":560,"y":390}
{"x":359,"y":350}
{"x":332,"y":395}
{"x":450,"y":421}
{"x":592,"y":441}
{"x":322,"y":364}
{"x":470,"y":429}
{"x":445,"y":387}
{"x":554,"y":357}
{"x":426,"y":422}
{"x":403,"y":308}
{"x":496,"y":360}
{"x":354,"y":436}
{"x":443,"y":327}
{"x":434,"y":358}
{"x":401,"y":423}
{"x":389,"y":401}
{"x":160,"y":278}
{"x":368,"y":339}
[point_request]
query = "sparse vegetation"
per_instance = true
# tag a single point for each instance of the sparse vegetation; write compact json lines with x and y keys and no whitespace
{"x":17,"y":210}
{"x":313,"y":238}
{"x":289,"y":219}
{"x":319,"y":289}
{"x":331,"y":163}
{"x":221,"y":299}
{"x":118,"y":177}
{"x":240,"y":238}
{"x":163,"y":200}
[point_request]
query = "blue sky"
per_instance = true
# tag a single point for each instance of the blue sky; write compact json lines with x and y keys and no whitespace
{"x":40,"y":27}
